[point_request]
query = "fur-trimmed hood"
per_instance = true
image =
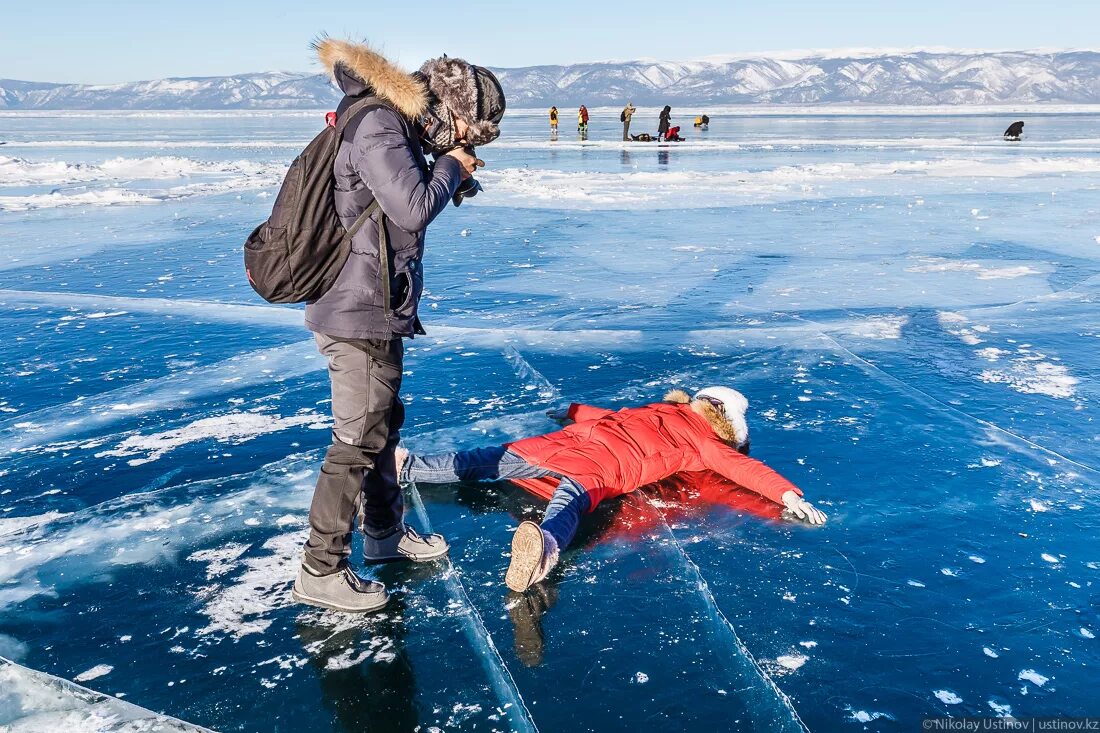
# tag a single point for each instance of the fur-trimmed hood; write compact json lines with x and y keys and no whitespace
{"x":718,"y":421}
{"x":358,"y":69}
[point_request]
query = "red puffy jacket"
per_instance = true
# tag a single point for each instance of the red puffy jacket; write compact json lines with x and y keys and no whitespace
{"x":613,"y":453}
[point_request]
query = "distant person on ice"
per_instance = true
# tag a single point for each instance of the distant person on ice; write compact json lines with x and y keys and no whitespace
{"x":605,"y":454}
{"x":553,"y":122}
{"x":582,"y":122}
{"x":624,"y":117}
{"x":664,"y":122}
{"x":359,"y":323}
{"x":1014,"y":132}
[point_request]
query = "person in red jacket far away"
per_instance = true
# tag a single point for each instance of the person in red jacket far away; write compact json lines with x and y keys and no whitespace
{"x":605,"y":454}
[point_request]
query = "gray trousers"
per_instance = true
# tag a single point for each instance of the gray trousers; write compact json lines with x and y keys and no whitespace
{"x":626,"y":131}
{"x":359,"y":475}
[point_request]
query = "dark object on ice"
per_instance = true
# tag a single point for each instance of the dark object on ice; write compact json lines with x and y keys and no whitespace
{"x":1015,"y":131}
{"x":296,"y":255}
{"x":673,"y":136}
{"x":645,"y":137}
{"x":664,"y":122}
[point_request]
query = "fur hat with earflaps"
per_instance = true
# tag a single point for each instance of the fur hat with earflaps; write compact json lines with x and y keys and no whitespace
{"x":470,"y":92}
{"x":723,"y":407}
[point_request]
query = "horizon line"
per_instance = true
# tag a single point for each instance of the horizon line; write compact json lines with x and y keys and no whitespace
{"x":853,"y":52}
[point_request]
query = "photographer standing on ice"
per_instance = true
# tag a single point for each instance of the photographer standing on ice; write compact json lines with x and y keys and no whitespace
{"x":446,"y":109}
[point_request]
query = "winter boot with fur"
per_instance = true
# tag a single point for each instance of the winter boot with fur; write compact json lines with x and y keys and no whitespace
{"x":534,"y":555}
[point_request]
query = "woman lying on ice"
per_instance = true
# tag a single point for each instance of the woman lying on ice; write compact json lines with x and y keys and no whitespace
{"x":605,"y":454}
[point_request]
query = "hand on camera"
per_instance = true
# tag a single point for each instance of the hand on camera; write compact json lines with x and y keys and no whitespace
{"x":469,"y":163}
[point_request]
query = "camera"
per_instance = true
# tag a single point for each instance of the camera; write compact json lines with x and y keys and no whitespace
{"x":468,"y":188}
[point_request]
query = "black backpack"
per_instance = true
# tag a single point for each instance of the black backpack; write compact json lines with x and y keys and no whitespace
{"x":296,"y":255}
{"x":622,"y":116}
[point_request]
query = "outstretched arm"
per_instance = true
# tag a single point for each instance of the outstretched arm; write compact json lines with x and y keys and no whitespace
{"x":577,"y":413}
{"x":757,"y":477}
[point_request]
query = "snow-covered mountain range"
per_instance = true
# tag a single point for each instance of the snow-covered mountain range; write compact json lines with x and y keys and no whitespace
{"x":866,"y":77}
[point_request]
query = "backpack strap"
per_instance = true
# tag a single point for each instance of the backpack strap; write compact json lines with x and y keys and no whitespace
{"x":362,"y":219}
{"x":344,"y":126}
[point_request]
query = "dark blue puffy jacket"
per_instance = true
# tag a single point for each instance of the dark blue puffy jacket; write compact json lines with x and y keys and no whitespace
{"x":383,"y":159}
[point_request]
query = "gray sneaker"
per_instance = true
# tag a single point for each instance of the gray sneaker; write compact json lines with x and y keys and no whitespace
{"x":339,"y":591}
{"x":404,"y":544}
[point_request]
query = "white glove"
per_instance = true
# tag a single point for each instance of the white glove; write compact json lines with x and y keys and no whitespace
{"x":802,"y":509}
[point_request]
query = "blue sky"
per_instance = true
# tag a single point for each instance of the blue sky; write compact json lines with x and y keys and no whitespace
{"x":125,"y":40}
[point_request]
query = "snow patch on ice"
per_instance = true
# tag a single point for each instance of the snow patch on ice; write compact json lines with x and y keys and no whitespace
{"x":9,"y":525}
{"x":863,"y":716}
{"x":134,"y":530}
{"x":15,"y":171}
{"x":791,"y":661}
{"x":957,"y":325}
{"x":1030,"y":675}
{"x":991,"y":353}
{"x":379,"y":649}
{"x":244,"y":607}
{"x":879,"y":327}
{"x":1029,"y":372}
{"x":947,"y":697}
{"x":233,"y":428}
{"x":1038,"y":506}
{"x":980,"y":271}
{"x":219,"y":559}
{"x":58,"y":199}
{"x":538,"y":187}
{"x":94,"y":673}
{"x":1029,"y":376}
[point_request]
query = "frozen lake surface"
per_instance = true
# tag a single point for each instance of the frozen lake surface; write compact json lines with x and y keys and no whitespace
{"x":909,"y":303}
